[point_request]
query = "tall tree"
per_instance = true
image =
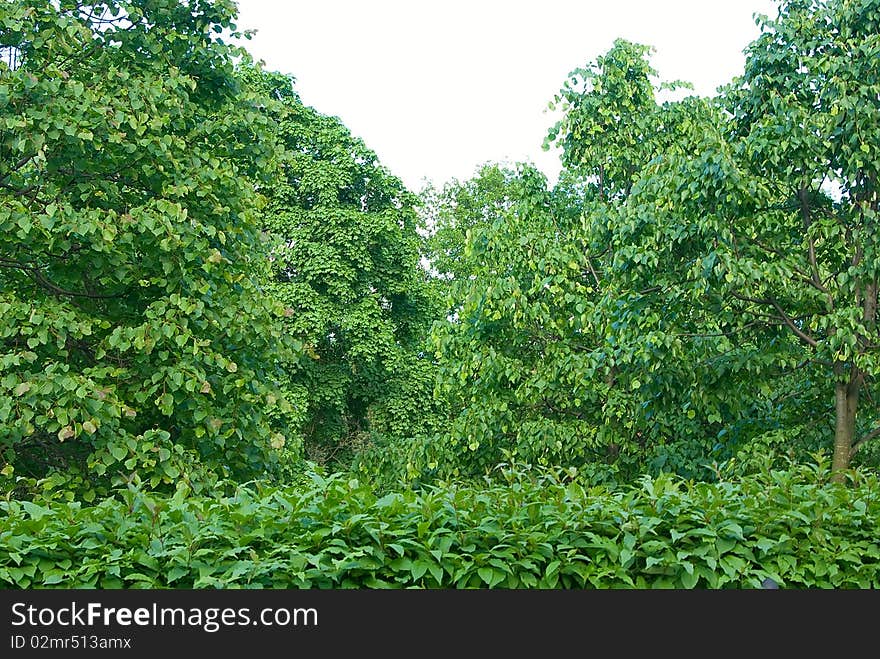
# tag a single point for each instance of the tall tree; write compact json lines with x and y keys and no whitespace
{"x":503,"y":251}
{"x":345,"y":266}
{"x":532,"y":355}
{"x":806,"y":129}
{"x":522,"y":355}
{"x":134,"y":341}
{"x":669,"y":385}
{"x":751,"y":233}
{"x":680,"y":389}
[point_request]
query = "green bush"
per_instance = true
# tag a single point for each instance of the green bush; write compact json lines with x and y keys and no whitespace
{"x":521,"y":530}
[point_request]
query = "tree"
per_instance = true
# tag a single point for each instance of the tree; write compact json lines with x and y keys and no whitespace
{"x":806,"y":129}
{"x":515,"y":352}
{"x":751,"y":232}
{"x":547,"y":354}
{"x":670,"y":381}
{"x":345,"y":266}
{"x":134,"y":339}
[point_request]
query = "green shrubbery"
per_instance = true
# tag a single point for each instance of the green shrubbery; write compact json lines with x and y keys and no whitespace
{"x":521,"y":530}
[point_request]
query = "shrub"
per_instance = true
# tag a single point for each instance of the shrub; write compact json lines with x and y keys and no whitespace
{"x":523,"y":531}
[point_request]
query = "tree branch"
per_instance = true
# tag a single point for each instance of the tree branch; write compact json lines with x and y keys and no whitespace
{"x":18,"y":165}
{"x":35,"y":274}
{"x":794,"y":328}
{"x":38,"y":277}
{"x":806,"y":338}
{"x":595,"y":276}
{"x":865,"y":439}
{"x":803,"y":197}
{"x":28,"y":192}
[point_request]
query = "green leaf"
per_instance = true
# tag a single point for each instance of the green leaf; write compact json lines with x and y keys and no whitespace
{"x":419,"y":568}
{"x":689,"y":579}
{"x":53,"y":577}
{"x":176,"y":573}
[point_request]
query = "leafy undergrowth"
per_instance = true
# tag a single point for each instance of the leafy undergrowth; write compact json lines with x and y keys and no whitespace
{"x":524,"y":531}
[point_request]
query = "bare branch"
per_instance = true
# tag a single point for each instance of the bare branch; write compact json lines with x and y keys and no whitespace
{"x":595,"y":276}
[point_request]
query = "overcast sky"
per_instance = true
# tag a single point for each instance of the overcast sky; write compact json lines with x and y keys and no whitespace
{"x":438,"y":88}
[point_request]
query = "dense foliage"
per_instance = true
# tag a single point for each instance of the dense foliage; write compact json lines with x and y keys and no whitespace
{"x":235,"y":351}
{"x":344,"y":265}
{"x":757,"y":225}
{"x":516,"y":358}
{"x":134,"y":341}
{"x":702,"y":279}
{"x":524,"y":531}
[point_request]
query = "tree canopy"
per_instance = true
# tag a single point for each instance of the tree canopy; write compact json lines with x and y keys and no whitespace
{"x":135,"y":341}
{"x":204,"y":283}
{"x":344,"y":265}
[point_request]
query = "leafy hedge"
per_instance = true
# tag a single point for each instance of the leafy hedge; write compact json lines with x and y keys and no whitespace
{"x":528,"y":531}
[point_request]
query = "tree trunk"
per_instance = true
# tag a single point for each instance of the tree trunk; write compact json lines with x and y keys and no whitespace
{"x":846,"y":401}
{"x":846,"y":397}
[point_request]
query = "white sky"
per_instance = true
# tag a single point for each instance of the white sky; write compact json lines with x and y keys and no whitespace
{"x":438,"y":88}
